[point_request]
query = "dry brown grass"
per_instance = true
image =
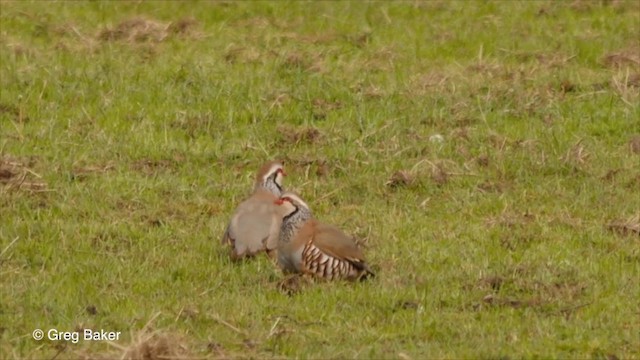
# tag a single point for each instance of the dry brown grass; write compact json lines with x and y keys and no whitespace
{"x":400,"y":178}
{"x":142,"y":29}
{"x":16,"y":175}
{"x":625,"y":57}
{"x":305,"y":134}
{"x":629,"y":226}
{"x":634,"y":144}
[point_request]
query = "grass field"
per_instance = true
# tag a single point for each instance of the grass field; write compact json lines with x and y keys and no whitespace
{"x":486,"y":154}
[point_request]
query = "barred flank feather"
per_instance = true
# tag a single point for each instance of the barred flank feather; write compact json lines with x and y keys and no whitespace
{"x":328,"y":267}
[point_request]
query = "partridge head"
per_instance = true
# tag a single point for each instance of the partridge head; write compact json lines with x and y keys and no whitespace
{"x":269,"y":178}
{"x":255,"y":224}
{"x":311,"y":247}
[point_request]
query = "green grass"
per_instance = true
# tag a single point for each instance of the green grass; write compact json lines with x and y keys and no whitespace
{"x":123,"y":154}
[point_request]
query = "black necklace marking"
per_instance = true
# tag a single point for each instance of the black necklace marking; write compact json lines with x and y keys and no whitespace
{"x":287,"y":217}
{"x":273,"y":178}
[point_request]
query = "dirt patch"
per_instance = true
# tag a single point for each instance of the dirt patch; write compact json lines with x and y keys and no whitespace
{"x":623,"y":58}
{"x":326,"y":105}
{"x":439,"y":175}
{"x":278,"y":99}
{"x":628,"y":227}
{"x":492,"y":187}
{"x":91,"y":310}
{"x":305,"y":61}
{"x":577,"y":154}
{"x":14,"y":112}
{"x":83,"y":172}
{"x":184,"y":27}
{"x":321,"y":107}
{"x":611,"y":175}
{"x":20,"y":49}
{"x":426,"y":83}
{"x":324,"y":38}
{"x":567,"y":86}
{"x":407,"y":305}
{"x":151,"y":166}
{"x":634,"y":144}
{"x":254,"y":23}
{"x":360,"y":40}
{"x":156,"y":346}
{"x":633,"y":81}
{"x":322,"y":168}
{"x":519,"y":287}
{"x":141,"y":29}
{"x":15,"y":174}
{"x":293,"y":284}
{"x":633,"y":183}
{"x":369,"y":91}
{"x":400,"y":178}
{"x":495,"y":300}
{"x":511,"y":220}
{"x":483,"y":160}
{"x":242,"y":54}
{"x":307,"y":135}
{"x":494,"y":282}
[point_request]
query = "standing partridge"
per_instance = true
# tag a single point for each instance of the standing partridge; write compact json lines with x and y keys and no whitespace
{"x":310,"y":247}
{"x":255,"y":225}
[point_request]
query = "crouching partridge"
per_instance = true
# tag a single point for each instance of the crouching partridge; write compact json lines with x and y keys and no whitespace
{"x":310,"y":247}
{"x":255,"y":225}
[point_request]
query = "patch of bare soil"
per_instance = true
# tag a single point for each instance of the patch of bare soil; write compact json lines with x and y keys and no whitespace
{"x":629,"y":226}
{"x":20,"y":49}
{"x":294,"y":284}
{"x":577,"y":154}
{"x":368,"y":91}
{"x":400,"y":178}
{"x":629,"y":57}
{"x":242,"y":54}
{"x":146,"y":345}
{"x":83,"y":172}
{"x":322,"y":168}
{"x":564,"y":293}
{"x":492,"y":187}
{"x":611,"y":174}
{"x":15,"y":174}
{"x":439,"y":175}
{"x":141,"y":29}
{"x":150,"y":167}
{"x":308,"y":135}
{"x":482,"y":160}
{"x":306,"y":61}
{"x":495,"y":300}
{"x":14,"y":112}
{"x":510,"y":219}
{"x":426,"y":83}
{"x":634,"y":144}
{"x":154,"y":346}
{"x":633,"y":183}
{"x":322,"y":107}
{"x":277,"y":99}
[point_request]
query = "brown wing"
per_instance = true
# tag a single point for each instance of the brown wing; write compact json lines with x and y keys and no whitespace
{"x":336,"y":243}
{"x":333,"y":242}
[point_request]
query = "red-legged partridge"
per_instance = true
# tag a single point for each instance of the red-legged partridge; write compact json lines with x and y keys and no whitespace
{"x":310,"y":247}
{"x":255,"y":225}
